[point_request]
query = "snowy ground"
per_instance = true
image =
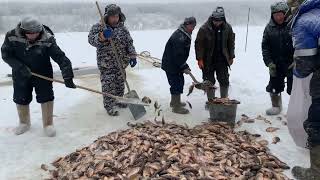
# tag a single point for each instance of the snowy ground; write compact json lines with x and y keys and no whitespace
{"x":80,"y":117}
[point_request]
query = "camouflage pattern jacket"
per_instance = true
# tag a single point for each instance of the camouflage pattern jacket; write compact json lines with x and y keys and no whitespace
{"x":123,"y":43}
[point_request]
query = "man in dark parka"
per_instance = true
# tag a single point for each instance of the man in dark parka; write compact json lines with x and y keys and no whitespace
{"x":215,"y":46}
{"x":277,"y":51}
{"x":174,"y":63}
{"x":28,"y":48}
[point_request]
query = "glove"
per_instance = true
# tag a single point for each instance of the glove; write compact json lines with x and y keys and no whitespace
{"x":187,"y":71}
{"x":107,"y":33}
{"x":69,"y":83}
{"x":25,"y":72}
{"x":272,"y":70}
{"x":133,"y":62}
{"x":230,"y":62}
{"x":200,"y":64}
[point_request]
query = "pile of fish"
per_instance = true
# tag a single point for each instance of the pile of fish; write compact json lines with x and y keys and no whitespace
{"x":160,"y":150}
{"x":224,"y":101}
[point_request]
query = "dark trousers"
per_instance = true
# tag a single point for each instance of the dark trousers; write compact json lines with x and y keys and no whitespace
{"x":22,"y":90}
{"x":276,"y":84}
{"x":312,"y":124}
{"x":176,"y":82}
{"x":222,"y":72}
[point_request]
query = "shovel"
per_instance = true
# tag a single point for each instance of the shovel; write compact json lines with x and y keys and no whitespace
{"x":119,"y":99}
{"x":137,"y":111}
{"x":205,"y":85}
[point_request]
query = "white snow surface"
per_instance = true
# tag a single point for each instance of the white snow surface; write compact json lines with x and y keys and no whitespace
{"x":80,"y":117}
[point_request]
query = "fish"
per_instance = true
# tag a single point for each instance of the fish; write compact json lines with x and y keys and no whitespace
{"x":189,"y":104}
{"x":162,"y":150}
{"x":191,"y":88}
{"x":44,"y":167}
{"x":272,"y":129}
{"x":275,"y":140}
{"x":146,"y":100}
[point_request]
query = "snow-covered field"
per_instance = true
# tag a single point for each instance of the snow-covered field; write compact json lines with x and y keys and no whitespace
{"x":80,"y":117}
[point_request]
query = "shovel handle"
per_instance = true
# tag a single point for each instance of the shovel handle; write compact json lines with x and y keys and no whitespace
{"x":80,"y":87}
{"x":120,"y":66}
{"x":193,"y":78}
{"x":122,"y":99}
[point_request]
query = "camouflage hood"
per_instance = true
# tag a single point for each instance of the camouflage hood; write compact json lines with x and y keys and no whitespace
{"x":113,"y":9}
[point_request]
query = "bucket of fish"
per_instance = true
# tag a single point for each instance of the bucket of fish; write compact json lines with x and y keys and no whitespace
{"x":223,"y":110}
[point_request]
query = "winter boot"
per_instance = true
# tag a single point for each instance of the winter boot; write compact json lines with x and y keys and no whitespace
{"x":312,"y":173}
{"x":224,"y":92}
{"x":113,"y":112}
{"x":276,"y":105}
{"x":47,"y":119}
{"x":182,"y":104}
{"x":24,"y":119}
{"x":176,"y":105}
{"x":211,"y":94}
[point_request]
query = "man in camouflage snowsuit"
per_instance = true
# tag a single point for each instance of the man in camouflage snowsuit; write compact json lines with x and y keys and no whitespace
{"x":111,"y":78}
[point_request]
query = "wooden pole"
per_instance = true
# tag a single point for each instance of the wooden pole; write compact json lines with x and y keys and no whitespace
{"x":122,"y":99}
{"x":247,"y":30}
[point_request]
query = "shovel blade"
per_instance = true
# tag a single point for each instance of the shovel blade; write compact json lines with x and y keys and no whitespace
{"x":138,"y":111}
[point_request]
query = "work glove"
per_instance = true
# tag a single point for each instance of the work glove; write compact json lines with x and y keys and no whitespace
{"x":69,"y":83}
{"x":107,"y":33}
{"x":25,"y":72}
{"x":231,"y":62}
{"x":272,"y":70}
{"x":200,"y":64}
{"x":133,"y":62}
{"x":187,"y":71}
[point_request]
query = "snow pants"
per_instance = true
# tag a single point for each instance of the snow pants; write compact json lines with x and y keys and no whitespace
{"x":23,"y":88}
{"x":312,"y":124}
{"x":277,"y":84}
{"x":176,"y":82}
{"x":112,"y":83}
{"x":222,"y":72}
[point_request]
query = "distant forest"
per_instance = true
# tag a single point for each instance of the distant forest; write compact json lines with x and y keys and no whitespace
{"x":78,"y":17}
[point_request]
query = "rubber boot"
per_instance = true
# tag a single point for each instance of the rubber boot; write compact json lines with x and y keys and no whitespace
{"x":182,"y":104}
{"x":312,"y":173}
{"x":276,"y":105}
{"x":177,"y":108}
{"x":47,"y":119}
{"x":24,"y":119}
{"x":224,"y":92}
{"x":113,"y":112}
{"x":211,"y":94}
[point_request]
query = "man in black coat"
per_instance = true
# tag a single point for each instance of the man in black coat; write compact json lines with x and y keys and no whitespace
{"x":28,"y":48}
{"x":277,"y":51}
{"x":174,"y":60}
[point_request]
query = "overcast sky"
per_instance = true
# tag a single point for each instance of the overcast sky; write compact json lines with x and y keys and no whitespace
{"x":131,"y":1}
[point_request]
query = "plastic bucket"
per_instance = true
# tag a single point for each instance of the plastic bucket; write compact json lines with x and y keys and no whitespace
{"x":223,"y":112}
